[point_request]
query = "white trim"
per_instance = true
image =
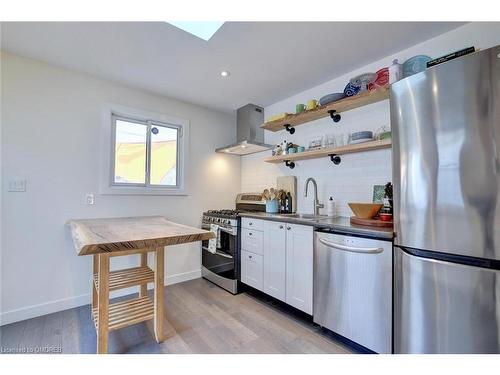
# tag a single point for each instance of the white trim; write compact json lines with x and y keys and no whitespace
{"x":34,"y":311}
{"x":181,"y":277}
{"x":105,"y":186}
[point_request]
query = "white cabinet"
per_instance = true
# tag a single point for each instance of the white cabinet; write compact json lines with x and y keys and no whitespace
{"x":252,"y":240}
{"x":250,"y":223}
{"x":252,"y":248}
{"x":252,"y":270}
{"x":275,"y":259}
{"x":299,"y":267}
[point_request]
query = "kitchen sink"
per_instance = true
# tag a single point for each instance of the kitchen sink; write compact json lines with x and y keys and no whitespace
{"x":311,"y":217}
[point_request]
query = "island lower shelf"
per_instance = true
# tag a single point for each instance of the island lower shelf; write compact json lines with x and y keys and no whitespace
{"x":325,"y":152}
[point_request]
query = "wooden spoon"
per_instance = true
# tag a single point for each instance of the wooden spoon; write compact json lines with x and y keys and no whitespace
{"x":265,"y":194}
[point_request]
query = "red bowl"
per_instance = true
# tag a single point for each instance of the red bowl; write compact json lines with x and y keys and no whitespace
{"x":385,"y":217}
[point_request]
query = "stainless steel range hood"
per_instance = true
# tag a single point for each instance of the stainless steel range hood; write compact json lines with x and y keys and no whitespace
{"x":249,"y":134}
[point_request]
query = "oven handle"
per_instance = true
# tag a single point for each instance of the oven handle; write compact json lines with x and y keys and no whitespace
{"x":229,"y":231}
{"x":217,"y":252}
{"x":363,"y":250}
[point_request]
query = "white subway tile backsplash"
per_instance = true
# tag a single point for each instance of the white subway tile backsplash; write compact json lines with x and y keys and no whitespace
{"x":350,"y":181}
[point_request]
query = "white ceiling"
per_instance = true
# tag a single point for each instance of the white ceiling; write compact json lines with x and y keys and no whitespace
{"x":268,"y":61}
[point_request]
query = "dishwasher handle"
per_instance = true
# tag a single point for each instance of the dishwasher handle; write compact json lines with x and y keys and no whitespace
{"x":352,"y":249}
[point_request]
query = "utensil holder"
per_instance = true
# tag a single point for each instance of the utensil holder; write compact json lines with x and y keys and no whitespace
{"x":272,"y":206}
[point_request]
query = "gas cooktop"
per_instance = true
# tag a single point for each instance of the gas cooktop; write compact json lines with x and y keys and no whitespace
{"x":222,"y":213}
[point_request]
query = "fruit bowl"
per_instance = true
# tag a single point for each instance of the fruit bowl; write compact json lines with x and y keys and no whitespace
{"x":365,"y":210}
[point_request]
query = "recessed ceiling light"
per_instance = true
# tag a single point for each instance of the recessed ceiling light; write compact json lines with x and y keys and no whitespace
{"x":202,"y":29}
{"x":225,"y":73}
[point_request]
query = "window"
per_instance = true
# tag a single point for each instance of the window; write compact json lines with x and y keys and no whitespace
{"x":146,"y":153}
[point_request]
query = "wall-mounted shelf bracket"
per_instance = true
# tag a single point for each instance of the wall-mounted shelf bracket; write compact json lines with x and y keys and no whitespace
{"x":289,"y":128}
{"x":290,"y":164}
{"x":334,"y":115}
{"x":335,"y":159}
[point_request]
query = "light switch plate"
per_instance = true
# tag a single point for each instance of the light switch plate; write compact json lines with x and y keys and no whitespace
{"x":89,"y":198}
{"x":18,"y":186}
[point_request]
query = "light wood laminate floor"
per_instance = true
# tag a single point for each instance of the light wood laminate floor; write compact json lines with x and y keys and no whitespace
{"x":200,"y":318}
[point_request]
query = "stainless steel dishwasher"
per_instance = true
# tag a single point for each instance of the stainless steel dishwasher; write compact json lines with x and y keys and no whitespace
{"x":353,"y":288}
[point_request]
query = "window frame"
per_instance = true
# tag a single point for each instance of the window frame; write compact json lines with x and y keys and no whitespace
{"x":111,"y":113}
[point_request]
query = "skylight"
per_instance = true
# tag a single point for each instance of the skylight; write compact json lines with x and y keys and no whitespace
{"x":202,"y":29}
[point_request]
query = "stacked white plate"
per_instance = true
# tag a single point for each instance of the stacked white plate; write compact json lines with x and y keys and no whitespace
{"x":360,"y":137}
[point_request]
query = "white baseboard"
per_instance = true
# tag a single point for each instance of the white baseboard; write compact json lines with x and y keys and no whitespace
{"x":180,"y":277}
{"x":34,"y":311}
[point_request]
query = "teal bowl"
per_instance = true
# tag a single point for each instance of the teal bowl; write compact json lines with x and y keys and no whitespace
{"x":292,"y":150}
{"x":415,"y":64}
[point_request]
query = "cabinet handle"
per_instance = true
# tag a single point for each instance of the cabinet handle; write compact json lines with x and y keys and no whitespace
{"x":281,"y":226}
{"x":288,"y":228}
{"x":250,"y":257}
{"x":250,"y":223}
{"x":250,"y":233}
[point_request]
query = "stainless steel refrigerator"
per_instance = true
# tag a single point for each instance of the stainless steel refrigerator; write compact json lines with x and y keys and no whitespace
{"x":446,"y":170}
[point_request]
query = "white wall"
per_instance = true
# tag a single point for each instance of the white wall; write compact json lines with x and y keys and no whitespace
{"x":51,"y":122}
{"x":354,"y":178}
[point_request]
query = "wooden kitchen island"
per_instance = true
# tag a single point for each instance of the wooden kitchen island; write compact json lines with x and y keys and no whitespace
{"x":105,"y":238}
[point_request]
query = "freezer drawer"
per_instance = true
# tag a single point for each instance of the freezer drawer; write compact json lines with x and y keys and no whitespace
{"x":353,"y":289}
{"x":443,"y":307}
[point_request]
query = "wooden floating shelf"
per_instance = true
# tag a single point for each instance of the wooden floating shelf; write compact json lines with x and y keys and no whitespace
{"x":324,"y":152}
{"x":341,"y":105}
{"x":123,"y":314}
{"x":128,"y":277}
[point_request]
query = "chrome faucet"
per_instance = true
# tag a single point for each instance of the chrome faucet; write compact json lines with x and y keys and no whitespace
{"x":316,"y":204}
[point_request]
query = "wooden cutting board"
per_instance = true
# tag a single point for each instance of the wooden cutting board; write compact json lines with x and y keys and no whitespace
{"x":289,"y":183}
{"x":371,"y":222}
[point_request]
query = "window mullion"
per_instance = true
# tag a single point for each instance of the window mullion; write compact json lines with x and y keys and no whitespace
{"x":148,"y":155}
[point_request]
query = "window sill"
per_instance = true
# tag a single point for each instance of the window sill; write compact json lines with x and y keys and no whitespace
{"x":139,"y":190}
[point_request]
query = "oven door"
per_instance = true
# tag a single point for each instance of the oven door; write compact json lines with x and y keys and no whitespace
{"x":224,"y":262}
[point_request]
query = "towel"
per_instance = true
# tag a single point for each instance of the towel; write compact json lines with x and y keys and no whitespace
{"x":213,"y":242}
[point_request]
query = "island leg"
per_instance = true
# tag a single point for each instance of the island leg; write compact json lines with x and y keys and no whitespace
{"x":95,"y":271}
{"x":143,"y":292}
{"x":158,"y":293}
{"x":103,"y":304}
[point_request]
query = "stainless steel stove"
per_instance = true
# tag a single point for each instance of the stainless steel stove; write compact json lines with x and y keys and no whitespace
{"x":222,"y":265}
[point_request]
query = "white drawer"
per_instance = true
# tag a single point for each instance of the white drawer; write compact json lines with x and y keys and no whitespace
{"x":249,"y":223}
{"x":252,"y":241}
{"x":252,"y":270}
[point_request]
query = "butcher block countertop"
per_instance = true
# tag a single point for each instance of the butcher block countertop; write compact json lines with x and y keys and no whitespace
{"x":94,"y":236}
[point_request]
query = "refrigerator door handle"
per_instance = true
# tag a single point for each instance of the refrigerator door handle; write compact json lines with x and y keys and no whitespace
{"x":363,"y":250}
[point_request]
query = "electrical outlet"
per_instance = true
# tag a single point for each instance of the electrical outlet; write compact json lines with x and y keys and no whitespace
{"x":89,"y":198}
{"x":18,"y":186}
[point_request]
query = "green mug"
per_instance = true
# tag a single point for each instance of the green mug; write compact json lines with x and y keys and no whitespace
{"x":299,"y":108}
